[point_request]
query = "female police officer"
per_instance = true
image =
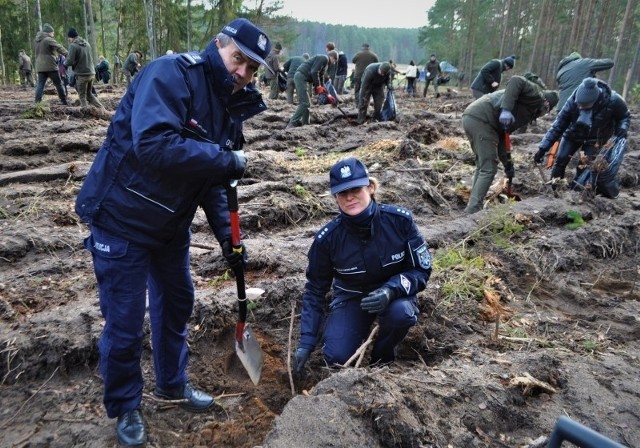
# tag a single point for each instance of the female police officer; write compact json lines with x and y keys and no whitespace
{"x":377,"y":261}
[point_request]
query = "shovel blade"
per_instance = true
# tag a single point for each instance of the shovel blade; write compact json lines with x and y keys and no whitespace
{"x":250,"y":354}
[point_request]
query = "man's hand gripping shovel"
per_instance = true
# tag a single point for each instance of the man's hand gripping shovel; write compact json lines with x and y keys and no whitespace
{"x":247,"y":347}
{"x":507,"y":144}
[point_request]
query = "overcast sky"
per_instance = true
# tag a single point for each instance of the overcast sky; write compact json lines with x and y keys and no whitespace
{"x":388,"y":14}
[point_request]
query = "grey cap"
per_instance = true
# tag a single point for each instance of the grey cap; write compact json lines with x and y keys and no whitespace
{"x":587,"y":93}
{"x":47,"y":28}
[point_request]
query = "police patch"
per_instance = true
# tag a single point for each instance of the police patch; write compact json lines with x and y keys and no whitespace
{"x":424,"y":257}
{"x":406,"y":283}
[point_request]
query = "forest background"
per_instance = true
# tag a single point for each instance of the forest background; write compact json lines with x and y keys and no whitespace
{"x":466,"y":33}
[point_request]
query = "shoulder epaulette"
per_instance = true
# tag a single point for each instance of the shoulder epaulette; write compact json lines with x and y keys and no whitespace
{"x":328,"y":228}
{"x":191,"y":58}
{"x":396,"y":210}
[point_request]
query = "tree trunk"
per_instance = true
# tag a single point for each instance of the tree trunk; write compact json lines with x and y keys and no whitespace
{"x":149,"y":9}
{"x":471,"y":37}
{"x":631,"y":71}
{"x":1,"y":59}
{"x":505,"y":26}
{"x":188,"y":25}
{"x":575,"y":25}
{"x":28,"y":18}
{"x":536,"y":41}
{"x":621,"y":38}
{"x":587,"y":24}
{"x":104,"y":45}
{"x":91,"y":34}
{"x":607,"y":23}
{"x":117,"y":60}
{"x":39,"y":14}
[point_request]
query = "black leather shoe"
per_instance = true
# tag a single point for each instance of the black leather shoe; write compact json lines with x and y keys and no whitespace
{"x":130,"y":429}
{"x":196,"y":400}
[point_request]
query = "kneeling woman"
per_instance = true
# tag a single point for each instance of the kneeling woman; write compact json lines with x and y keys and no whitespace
{"x":377,"y":261}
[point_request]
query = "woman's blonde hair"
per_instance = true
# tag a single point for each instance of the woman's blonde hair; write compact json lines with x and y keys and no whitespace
{"x":376,"y":185}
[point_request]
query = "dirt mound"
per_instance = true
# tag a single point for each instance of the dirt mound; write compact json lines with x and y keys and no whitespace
{"x":531,"y":311}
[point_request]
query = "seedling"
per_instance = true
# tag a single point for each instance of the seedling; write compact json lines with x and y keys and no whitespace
{"x":576,"y":220}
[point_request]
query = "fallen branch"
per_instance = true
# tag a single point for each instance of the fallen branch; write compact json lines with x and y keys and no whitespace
{"x":529,"y":383}
{"x":23,"y":440}
{"x":362,"y":348}
{"x":523,"y":340}
{"x":293,"y":315}
{"x":74,"y":170}
{"x":202,"y":246}
{"x":177,"y":401}
{"x":223,"y":395}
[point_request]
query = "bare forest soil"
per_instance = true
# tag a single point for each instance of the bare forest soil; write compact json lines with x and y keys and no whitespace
{"x":525,"y":318}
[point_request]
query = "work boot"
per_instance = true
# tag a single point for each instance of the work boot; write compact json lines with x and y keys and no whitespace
{"x":194,"y":400}
{"x":130,"y":429}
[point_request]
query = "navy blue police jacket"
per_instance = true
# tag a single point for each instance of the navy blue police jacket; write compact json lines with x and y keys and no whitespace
{"x":167,"y":151}
{"x":396,"y":256}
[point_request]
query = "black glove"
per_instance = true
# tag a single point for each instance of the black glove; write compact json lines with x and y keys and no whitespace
{"x":238,"y":165}
{"x":300,"y":358}
{"x":509,"y":170}
{"x":377,"y":300}
{"x":621,"y":133}
{"x":234,"y":259}
{"x":540,"y":154}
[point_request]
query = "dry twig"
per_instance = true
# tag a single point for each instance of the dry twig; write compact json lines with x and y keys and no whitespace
{"x":362,"y":348}
{"x":293,"y":314}
{"x":529,"y":383}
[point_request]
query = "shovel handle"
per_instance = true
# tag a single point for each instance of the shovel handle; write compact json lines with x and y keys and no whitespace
{"x":507,"y":146}
{"x":574,"y":432}
{"x":234,"y":218}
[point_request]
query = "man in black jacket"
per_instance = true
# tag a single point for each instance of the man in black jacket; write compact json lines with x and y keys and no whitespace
{"x":591,"y":115}
{"x":341,"y":73}
{"x":374,"y":78}
{"x":488,"y":80}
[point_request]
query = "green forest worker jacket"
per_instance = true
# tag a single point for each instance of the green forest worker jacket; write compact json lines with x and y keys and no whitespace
{"x":481,"y":122}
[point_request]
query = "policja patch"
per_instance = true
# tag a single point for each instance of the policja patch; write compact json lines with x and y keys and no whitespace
{"x":424,"y":257}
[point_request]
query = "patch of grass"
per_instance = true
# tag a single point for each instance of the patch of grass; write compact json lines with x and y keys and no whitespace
{"x":300,"y":191}
{"x":37,"y":111}
{"x":498,"y":227}
{"x":461,"y":273}
{"x":220,"y":279}
{"x":590,"y":345}
{"x":299,"y":152}
{"x":440,"y":165}
{"x":514,"y":332}
{"x":576,"y":220}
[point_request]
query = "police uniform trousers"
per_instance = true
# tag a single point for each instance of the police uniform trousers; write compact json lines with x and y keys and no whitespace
{"x":348,"y":326}
{"x":125,"y":271}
